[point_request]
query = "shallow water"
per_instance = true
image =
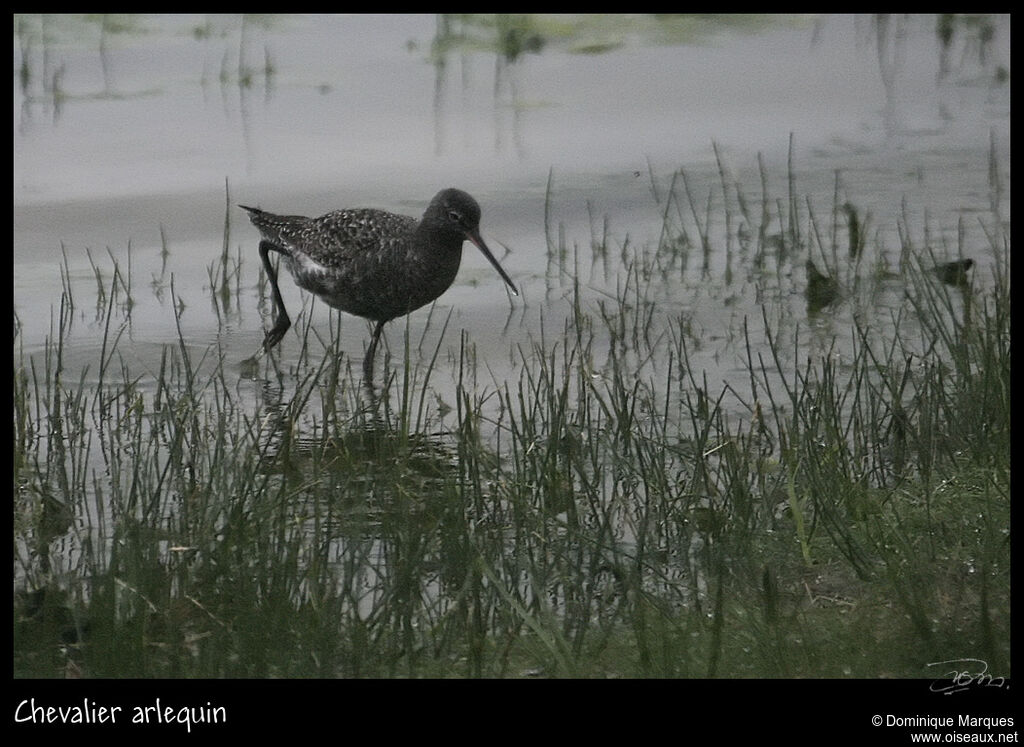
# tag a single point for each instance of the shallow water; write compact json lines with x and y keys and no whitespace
{"x":125,"y":139}
{"x":599,"y":155}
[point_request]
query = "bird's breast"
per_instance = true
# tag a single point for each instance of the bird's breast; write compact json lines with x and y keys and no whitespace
{"x":377,"y":285}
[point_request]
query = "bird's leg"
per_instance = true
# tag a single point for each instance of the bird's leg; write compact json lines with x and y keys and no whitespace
{"x":283,"y":321}
{"x":368,"y":361}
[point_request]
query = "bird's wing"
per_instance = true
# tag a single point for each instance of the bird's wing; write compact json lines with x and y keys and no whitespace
{"x":346,"y":236}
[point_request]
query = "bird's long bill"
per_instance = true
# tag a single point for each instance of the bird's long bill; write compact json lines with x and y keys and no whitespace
{"x":487,"y":253}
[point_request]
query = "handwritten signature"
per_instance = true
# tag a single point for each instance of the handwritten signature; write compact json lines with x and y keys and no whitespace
{"x":961,"y":679}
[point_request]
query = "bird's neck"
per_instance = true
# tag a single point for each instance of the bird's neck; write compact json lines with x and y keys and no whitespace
{"x":445,"y":241}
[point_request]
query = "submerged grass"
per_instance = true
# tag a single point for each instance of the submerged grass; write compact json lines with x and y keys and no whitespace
{"x":601,"y":514}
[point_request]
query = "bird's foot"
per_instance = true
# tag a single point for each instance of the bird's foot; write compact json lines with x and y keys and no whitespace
{"x":276,"y":333}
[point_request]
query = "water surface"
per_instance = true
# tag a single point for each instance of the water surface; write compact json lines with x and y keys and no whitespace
{"x":128,"y":129}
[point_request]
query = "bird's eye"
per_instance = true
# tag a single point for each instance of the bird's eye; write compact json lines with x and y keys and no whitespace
{"x":455,"y":216}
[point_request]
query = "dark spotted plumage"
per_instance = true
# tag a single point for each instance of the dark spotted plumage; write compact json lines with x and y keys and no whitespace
{"x":371,"y":263}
